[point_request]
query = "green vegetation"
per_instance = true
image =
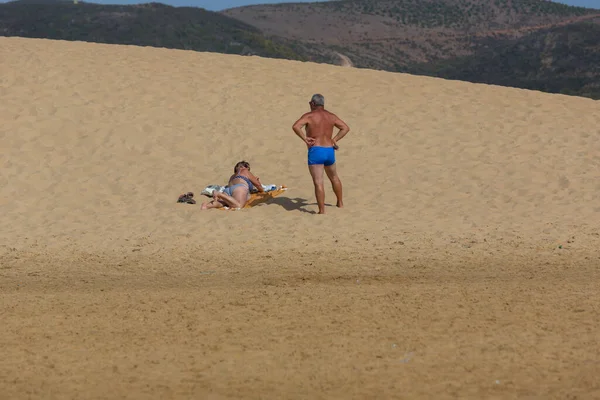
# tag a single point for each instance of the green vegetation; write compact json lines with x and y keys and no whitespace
{"x":150,"y":24}
{"x":559,"y":60}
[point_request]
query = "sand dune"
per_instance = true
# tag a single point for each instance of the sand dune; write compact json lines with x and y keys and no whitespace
{"x":457,"y":197}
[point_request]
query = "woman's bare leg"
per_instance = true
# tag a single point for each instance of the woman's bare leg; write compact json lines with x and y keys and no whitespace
{"x":241,"y":196}
{"x":228,"y":200}
{"x":211,"y":204}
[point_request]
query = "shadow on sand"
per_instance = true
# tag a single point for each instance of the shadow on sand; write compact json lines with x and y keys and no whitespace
{"x":297,"y":204}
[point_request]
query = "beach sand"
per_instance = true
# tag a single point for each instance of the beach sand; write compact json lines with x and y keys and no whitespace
{"x":465,"y":263}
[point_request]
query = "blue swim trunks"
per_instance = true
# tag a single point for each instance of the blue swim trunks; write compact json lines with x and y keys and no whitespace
{"x":321,"y":155}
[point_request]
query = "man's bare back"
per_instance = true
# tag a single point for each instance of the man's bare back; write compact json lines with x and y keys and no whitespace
{"x":319,"y":127}
{"x":321,"y":143}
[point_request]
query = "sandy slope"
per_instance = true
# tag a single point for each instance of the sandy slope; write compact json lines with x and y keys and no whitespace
{"x":443,"y":275}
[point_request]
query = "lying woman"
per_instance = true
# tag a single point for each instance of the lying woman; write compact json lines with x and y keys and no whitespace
{"x":237,"y":191}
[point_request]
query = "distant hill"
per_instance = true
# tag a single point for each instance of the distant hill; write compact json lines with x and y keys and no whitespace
{"x":150,"y":24}
{"x":389,"y":34}
{"x":504,"y":42}
{"x":563,"y":59}
{"x":42,"y":2}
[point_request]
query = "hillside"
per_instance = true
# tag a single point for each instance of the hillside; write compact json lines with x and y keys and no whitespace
{"x":151,"y":24}
{"x":563,"y":59}
{"x":388,"y":35}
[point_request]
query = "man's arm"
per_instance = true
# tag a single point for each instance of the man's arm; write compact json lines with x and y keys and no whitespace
{"x":297,"y":127}
{"x":341,"y":125}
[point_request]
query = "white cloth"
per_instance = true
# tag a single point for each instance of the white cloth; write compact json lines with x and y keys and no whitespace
{"x":208,"y":191}
{"x":269,"y":188}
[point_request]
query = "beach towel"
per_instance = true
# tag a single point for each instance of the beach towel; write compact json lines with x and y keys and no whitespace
{"x":270,"y":191}
{"x":258,"y":198}
{"x":208,"y":191}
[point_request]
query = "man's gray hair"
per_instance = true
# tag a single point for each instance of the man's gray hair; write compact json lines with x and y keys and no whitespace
{"x":318,"y":100}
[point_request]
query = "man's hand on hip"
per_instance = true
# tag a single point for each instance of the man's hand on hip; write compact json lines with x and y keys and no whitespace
{"x":309,"y":141}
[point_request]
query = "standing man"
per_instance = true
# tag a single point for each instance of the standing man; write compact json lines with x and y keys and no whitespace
{"x":321,"y":147}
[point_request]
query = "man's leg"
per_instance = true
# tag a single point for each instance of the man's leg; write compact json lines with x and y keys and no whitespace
{"x":336,"y":183}
{"x":316,"y":171}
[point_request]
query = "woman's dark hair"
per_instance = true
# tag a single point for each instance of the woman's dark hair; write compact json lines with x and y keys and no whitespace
{"x":241,"y":164}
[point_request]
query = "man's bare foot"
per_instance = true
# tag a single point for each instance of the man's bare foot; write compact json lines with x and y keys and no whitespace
{"x":340,"y":204}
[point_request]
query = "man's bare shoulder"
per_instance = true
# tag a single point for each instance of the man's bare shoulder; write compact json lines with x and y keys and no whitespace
{"x":303,"y":120}
{"x":307,"y":115}
{"x":333,"y":115}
